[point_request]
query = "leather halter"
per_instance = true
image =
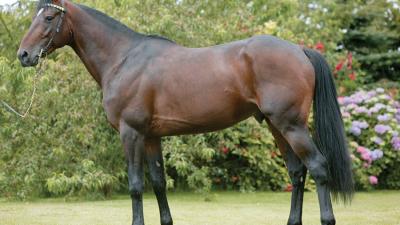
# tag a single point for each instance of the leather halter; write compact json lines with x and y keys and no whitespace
{"x":58,"y":27}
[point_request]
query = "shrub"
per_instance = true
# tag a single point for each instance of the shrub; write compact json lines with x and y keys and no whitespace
{"x":90,"y":179}
{"x":372,"y":122}
{"x":51,"y":152}
{"x":243,"y":157}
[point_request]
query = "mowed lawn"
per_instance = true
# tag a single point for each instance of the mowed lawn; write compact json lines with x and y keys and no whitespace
{"x":226,"y":208}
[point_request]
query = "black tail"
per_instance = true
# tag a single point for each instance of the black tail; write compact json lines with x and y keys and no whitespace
{"x":329,"y":132}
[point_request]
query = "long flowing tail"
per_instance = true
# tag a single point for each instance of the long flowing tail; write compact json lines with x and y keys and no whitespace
{"x":329,"y":131}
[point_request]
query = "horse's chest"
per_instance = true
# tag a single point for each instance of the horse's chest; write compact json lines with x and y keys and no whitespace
{"x":113,"y":112}
{"x":130,"y":110}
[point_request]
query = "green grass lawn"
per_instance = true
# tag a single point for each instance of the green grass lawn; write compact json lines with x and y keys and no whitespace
{"x":226,"y":208}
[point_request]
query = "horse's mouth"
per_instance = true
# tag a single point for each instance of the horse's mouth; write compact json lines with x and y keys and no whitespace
{"x":30,"y":63}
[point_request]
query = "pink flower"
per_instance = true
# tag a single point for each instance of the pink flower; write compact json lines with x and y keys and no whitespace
{"x":366,"y":156}
{"x":361,"y":149}
{"x":225,"y":150}
{"x":341,"y":100}
{"x":352,"y":76}
{"x":373,"y":180}
{"x":346,"y":114}
{"x":288,"y":188}
{"x":339,"y":66}
{"x":320,"y":46}
{"x":349,"y":60}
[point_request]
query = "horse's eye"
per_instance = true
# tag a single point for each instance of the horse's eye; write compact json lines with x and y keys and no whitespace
{"x":49,"y":18}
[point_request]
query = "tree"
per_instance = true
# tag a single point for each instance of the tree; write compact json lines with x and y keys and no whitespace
{"x":373,"y":35}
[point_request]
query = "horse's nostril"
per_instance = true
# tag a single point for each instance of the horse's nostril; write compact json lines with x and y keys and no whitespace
{"x":24,"y":54}
{"x":23,"y":57}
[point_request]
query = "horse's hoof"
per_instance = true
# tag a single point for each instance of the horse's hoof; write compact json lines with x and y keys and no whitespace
{"x":293,"y":222}
{"x":331,"y":221}
{"x":138,"y":222}
{"x":167,"y":222}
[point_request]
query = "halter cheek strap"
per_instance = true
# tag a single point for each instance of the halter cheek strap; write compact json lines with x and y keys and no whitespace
{"x":58,"y":28}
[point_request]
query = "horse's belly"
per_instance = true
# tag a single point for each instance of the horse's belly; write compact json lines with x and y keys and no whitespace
{"x":200,"y":122}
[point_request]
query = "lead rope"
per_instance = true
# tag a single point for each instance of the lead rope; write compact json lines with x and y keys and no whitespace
{"x":39,"y":72}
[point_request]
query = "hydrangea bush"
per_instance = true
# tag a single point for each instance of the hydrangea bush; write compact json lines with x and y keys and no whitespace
{"x":372,"y":120}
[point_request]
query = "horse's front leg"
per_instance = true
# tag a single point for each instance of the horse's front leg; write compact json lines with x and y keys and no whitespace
{"x":155,"y":163}
{"x":133,"y":144}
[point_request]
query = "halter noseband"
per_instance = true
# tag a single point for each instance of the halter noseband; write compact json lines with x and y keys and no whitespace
{"x":59,"y":24}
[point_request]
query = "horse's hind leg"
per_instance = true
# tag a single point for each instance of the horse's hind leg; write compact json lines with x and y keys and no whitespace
{"x":290,"y":119}
{"x":297,"y":173}
{"x":155,"y":163}
{"x":299,"y":139}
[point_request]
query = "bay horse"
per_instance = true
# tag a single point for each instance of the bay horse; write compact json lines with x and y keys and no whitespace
{"x":153,"y":87}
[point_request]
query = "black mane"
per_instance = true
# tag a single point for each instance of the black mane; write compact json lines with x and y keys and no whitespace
{"x":118,"y":26}
{"x":155,"y":36}
{"x":109,"y":21}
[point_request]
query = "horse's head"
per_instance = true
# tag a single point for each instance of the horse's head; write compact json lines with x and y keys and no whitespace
{"x":47,"y":32}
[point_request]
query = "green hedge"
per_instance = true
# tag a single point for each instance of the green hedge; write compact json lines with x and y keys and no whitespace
{"x":66,"y":147}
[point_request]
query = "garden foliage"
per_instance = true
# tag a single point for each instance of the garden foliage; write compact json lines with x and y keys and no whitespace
{"x":373,"y":35}
{"x":66,"y":147}
{"x":372,"y":120}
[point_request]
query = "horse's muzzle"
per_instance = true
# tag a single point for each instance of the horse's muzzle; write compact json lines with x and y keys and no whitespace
{"x":27,"y":59}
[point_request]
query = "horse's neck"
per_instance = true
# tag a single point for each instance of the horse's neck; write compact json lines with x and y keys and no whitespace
{"x":98,"y":48}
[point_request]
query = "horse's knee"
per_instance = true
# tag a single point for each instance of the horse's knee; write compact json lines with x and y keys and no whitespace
{"x":136,"y":188}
